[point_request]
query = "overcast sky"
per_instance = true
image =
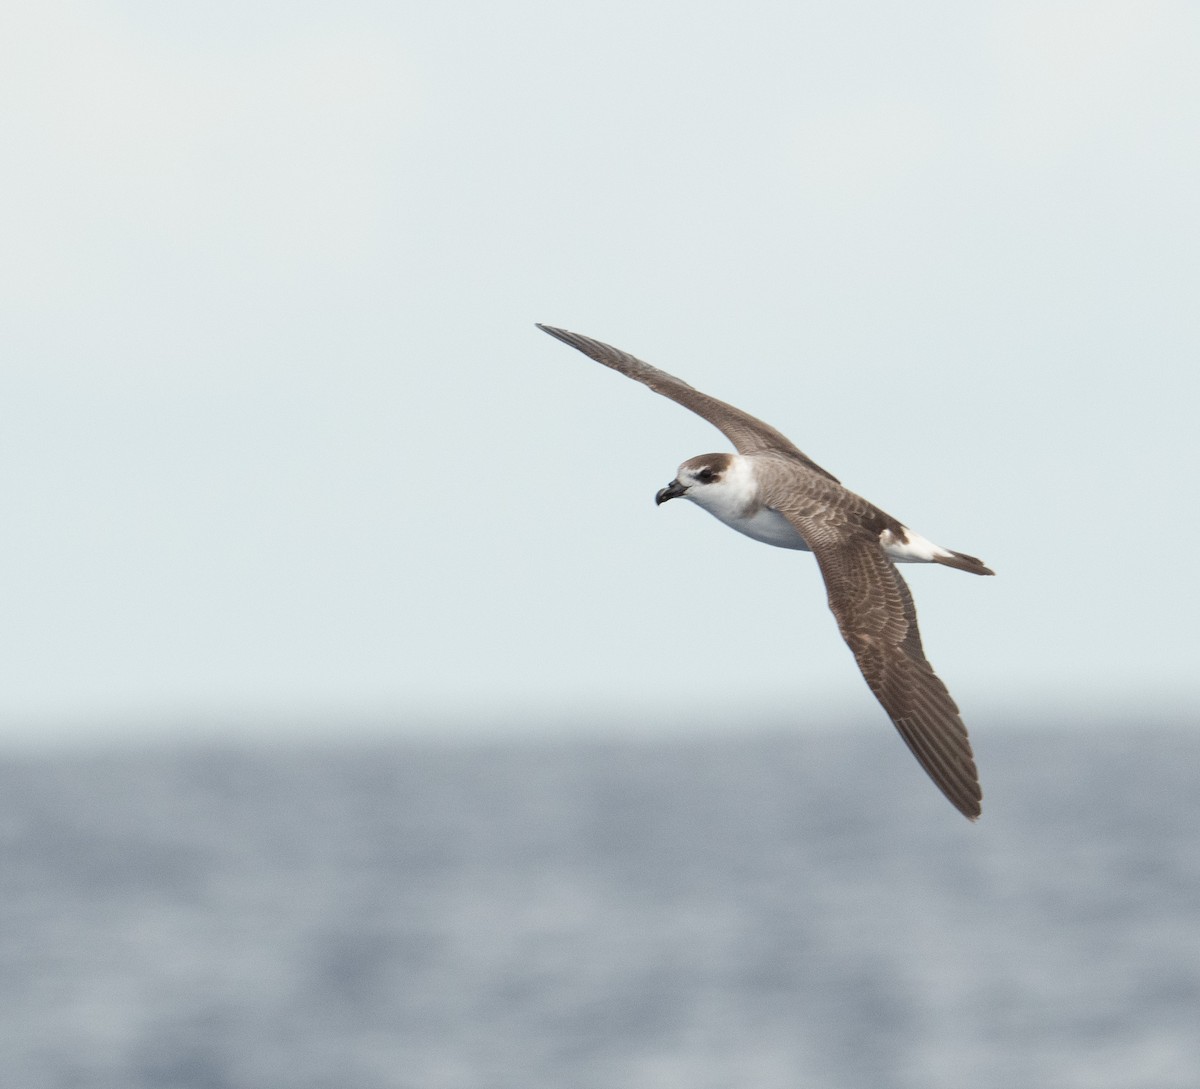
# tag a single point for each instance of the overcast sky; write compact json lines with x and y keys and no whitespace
{"x":279,"y":441}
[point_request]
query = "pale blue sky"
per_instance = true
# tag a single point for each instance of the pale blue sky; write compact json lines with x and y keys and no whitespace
{"x":280,"y":442}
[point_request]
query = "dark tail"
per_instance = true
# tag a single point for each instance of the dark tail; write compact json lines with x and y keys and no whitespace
{"x":962,"y":562}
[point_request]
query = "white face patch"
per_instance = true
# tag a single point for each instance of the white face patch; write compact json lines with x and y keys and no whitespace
{"x":704,"y":470}
{"x":725,"y":491}
{"x":733,"y":499}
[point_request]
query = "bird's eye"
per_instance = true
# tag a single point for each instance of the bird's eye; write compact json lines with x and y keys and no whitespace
{"x":705,"y":476}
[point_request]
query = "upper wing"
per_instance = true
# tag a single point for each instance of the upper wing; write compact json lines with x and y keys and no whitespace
{"x":748,"y":434}
{"x":875,"y":612}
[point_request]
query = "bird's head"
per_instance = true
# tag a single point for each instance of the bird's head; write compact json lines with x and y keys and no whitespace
{"x":703,"y":479}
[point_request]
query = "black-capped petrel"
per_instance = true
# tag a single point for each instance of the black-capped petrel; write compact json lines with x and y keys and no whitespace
{"x":772,"y":492}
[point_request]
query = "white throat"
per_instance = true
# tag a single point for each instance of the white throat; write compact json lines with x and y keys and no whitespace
{"x":734,"y":500}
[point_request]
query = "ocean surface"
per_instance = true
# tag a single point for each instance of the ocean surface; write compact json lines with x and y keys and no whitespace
{"x":778,"y":910}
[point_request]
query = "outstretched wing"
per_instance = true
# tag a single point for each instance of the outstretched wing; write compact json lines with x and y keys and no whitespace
{"x":748,"y":434}
{"x":875,"y":612}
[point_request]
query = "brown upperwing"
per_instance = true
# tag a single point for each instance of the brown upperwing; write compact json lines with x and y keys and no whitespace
{"x":875,"y":612}
{"x":748,"y":434}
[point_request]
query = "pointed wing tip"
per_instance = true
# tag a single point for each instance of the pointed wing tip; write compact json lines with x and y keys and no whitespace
{"x":965,"y":796}
{"x":575,"y":340}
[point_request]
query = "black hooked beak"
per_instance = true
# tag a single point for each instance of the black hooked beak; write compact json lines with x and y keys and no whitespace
{"x":672,"y":491}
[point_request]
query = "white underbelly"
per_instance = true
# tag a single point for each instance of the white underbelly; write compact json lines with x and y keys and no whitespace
{"x":770,"y":527}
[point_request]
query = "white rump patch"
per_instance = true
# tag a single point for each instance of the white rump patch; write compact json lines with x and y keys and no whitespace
{"x":916,"y":549}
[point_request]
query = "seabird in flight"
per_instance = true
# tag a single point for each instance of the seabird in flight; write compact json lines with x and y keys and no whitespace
{"x":771,"y":491}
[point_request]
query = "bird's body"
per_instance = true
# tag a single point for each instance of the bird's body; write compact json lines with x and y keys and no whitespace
{"x":741,"y":497}
{"x":770,"y":491}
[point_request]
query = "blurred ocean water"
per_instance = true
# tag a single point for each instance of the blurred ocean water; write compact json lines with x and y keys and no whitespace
{"x":767,"y":911}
